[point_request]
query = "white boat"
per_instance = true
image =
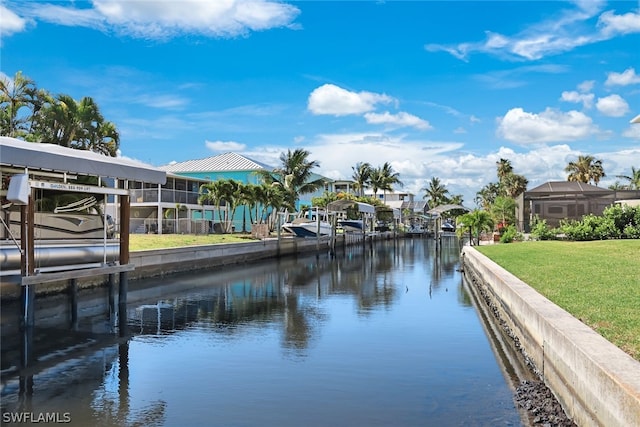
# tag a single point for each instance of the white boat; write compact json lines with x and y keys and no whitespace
{"x":67,"y":222}
{"x":416,"y":229}
{"x":308,"y":226}
{"x":345,"y":207}
{"x":350,"y":224}
{"x":448,"y":227}
{"x":63,"y":238}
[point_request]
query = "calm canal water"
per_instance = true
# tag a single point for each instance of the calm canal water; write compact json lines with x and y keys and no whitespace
{"x":378,"y":336}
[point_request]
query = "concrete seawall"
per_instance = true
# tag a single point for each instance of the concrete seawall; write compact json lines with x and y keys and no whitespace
{"x":597,"y":383}
{"x":162,"y":262}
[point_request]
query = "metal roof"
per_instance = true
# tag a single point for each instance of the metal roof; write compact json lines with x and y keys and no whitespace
{"x":341,"y":205}
{"x":445,"y":208}
{"x":568,"y":187}
{"x":51,"y":157}
{"x":222,"y":162}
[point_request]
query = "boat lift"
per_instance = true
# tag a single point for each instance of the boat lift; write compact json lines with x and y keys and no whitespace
{"x":366,"y":211}
{"x":31,"y":167}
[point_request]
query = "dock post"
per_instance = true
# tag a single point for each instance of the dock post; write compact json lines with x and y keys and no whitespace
{"x":27,"y":306}
{"x":73,"y":299}
{"x":112,"y":299}
{"x":125,"y":216}
{"x":122,"y":303}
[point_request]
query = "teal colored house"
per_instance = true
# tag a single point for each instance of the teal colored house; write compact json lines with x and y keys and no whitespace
{"x":189,"y":176}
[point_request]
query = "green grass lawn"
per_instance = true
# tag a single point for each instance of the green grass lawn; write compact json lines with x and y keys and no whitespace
{"x":597,"y":282}
{"x":140,"y":242}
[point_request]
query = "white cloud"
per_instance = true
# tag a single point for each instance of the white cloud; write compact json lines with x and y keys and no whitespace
{"x":11,"y":23}
{"x":566,"y":31}
{"x":572,"y":96}
{"x":161,"y":101}
{"x":165,"y":19}
{"x":611,"y":24}
{"x":551,"y":125}
{"x":334,"y":100}
{"x":632,"y":132}
{"x":225,"y":146}
{"x":463,"y":173}
{"x":612,"y":106}
{"x":627,"y":77}
{"x":586,"y":86}
{"x":399,"y":119}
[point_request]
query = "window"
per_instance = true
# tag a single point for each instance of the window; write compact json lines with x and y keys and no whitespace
{"x":556,"y":210}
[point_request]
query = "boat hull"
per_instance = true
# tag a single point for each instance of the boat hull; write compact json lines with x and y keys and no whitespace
{"x":50,"y":225}
{"x":351,"y":225}
{"x":307,"y":229}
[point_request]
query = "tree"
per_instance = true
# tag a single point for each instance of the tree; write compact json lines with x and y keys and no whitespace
{"x":294,"y":176}
{"x":385,"y":178}
{"x":474,"y":223}
{"x":36,"y":116}
{"x":504,"y":168}
{"x":15,"y":95}
{"x":503,"y":210}
{"x":435,"y":193}
{"x":633,"y":178}
{"x":63,"y":121}
{"x":222,"y":192}
{"x":585,"y":169}
{"x":361,"y":176}
{"x":487,"y":195}
{"x":513,"y":185}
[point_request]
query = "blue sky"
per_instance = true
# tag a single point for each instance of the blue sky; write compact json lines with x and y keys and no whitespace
{"x":438,"y":89}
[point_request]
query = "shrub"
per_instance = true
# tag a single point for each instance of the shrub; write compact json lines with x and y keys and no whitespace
{"x":510,"y":234}
{"x":541,"y":231}
{"x":616,"y":222}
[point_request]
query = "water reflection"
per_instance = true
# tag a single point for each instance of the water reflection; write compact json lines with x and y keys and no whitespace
{"x":376,"y":335}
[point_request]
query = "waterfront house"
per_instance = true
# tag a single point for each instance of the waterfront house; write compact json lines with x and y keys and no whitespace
{"x":555,"y":201}
{"x":173,"y":207}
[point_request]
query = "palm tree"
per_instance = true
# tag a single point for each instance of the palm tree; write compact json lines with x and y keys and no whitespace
{"x":474,"y":222}
{"x":57,"y":122}
{"x":435,"y":193}
{"x":585,"y":169}
{"x":63,"y":121}
{"x":386,"y":178}
{"x":504,"y":168}
{"x":14,"y":95}
{"x":634,"y":179}
{"x":95,"y":134}
{"x":361,"y":176}
{"x":294,"y":175}
{"x":513,"y":184}
{"x":487,"y":195}
{"x":222,"y":193}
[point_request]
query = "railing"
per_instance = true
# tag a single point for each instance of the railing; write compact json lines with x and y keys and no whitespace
{"x":179,"y":226}
{"x":150,"y":195}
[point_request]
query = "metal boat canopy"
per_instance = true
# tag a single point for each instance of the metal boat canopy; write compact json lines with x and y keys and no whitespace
{"x":342,"y":205}
{"x":51,"y":157}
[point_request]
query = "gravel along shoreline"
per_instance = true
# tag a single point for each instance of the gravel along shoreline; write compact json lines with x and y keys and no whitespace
{"x":541,"y":405}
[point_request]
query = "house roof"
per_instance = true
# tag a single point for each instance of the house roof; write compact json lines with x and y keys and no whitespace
{"x":567,"y":187}
{"x":52,"y":157}
{"x":438,"y":210}
{"x":223,"y":162}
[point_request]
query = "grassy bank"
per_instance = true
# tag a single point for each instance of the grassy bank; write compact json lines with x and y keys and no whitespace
{"x":140,"y":242}
{"x":598,"y":282}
